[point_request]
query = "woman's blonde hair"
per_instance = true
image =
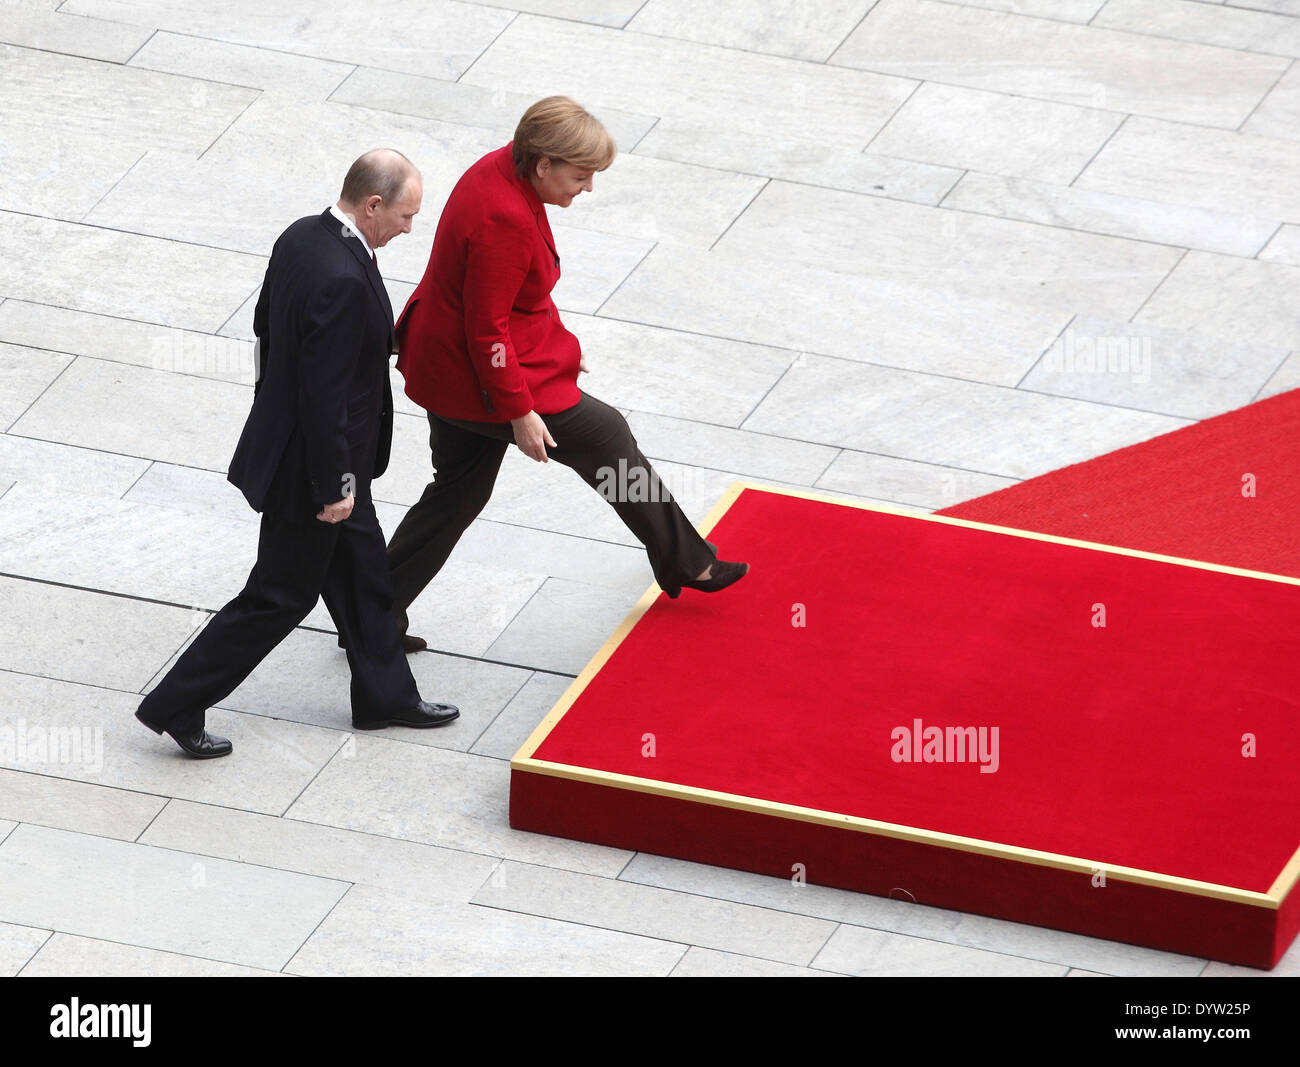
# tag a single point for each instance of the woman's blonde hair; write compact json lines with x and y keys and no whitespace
{"x":558,"y":128}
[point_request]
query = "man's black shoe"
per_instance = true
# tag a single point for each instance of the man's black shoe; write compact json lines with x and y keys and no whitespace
{"x":421,"y":716}
{"x":202,"y":745}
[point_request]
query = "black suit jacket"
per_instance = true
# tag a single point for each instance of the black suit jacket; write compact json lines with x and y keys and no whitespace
{"x":321,"y":426}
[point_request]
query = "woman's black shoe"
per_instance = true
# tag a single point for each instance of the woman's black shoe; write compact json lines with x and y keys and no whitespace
{"x":724,"y":574}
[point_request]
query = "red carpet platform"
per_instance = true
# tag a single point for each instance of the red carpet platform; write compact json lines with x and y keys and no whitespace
{"x":1069,"y":734}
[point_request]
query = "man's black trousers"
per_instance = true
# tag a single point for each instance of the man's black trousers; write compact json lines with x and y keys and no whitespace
{"x":298,"y":561}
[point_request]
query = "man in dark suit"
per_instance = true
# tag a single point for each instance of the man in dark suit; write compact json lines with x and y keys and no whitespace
{"x":320,"y":429}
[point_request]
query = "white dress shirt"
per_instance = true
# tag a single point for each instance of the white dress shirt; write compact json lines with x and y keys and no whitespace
{"x":352,"y":226}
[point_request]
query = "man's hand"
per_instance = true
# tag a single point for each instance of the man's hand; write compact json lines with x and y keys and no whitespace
{"x":336,"y":512}
{"x":532,"y":436}
{"x":582,"y":364}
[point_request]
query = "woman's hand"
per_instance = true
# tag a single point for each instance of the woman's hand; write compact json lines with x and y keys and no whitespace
{"x":582,"y":364}
{"x":532,"y":436}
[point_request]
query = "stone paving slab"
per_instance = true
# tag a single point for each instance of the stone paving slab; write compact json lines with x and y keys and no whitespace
{"x":563,"y":625}
{"x":375,"y":932}
{"x":618,"y":905}
{"x":143,"y":550}
{"x":1049,"y":60}
{"x":1287,"y":376}
{"x":1278,"y":114}
{"x":108,"y":641}
{"x":975,"y":257}
{"x":470,"y":105}
{"x":63,"y":91}
{"x":73,"y":956}
{"x":1077,"y":207}
{"x":786,"y":28}
{"x":88,"y":38}
{"x":1243,"y":298}
{"x":322,"y":851}
{"x":120,"y":340}
{"x":153,"y":280}
{"x":694,"y":81}
{"x":880,"y":954}
{"x":437,"y":797}
{"x":89,"y":734}
{"x":378,"y":35}
{"x":937,"y":419}
{"x":26,"y":374}
{"x":994,"y":133}
{"x":63,"y":804}
{"x":710,"y":963}
{"x":237,"y":64}
{"x":920,"y":485}
{"x":520,"y":717}
{"x":96,"y":403}
{"x":1171,"y":370}
{"x":799,"y":158}
{"x":1218,"y":170}
{"x":159,"y":898}
{"x":18,"y":944}
{"x":899,"y":320}
{"x":1251,"y":31}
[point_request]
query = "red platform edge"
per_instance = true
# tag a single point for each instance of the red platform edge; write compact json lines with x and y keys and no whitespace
{"x":844,"y":858}
{"x":622,"y":812}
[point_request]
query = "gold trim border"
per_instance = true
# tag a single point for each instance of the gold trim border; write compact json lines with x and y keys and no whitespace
{"x":524,"y":759}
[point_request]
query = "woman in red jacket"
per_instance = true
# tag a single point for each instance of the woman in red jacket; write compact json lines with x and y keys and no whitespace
{"x":483,"y":350}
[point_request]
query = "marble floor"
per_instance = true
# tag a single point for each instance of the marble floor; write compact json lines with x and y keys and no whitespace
{"x":858,"y":246}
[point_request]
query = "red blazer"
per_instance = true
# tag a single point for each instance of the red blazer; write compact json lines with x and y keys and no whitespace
{"x":481,"y":339}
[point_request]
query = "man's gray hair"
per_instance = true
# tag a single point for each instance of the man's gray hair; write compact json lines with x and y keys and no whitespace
{"x":381,"y":172}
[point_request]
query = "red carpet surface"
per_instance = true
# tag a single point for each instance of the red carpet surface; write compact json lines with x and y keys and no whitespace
{"x":1179,"y":494}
